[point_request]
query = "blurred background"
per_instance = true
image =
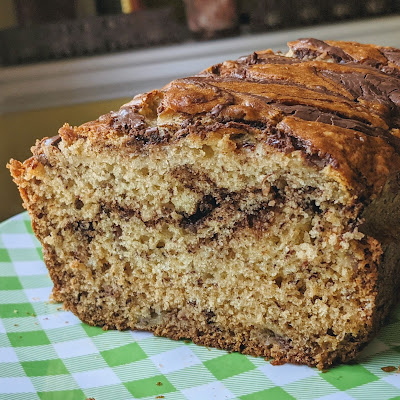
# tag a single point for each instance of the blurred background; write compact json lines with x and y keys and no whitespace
{"x":73,"y":60}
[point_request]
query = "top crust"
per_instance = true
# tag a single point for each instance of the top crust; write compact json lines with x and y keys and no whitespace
{"x":337,"y":103}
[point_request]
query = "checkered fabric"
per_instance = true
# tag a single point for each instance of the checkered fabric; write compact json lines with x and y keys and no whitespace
{"x":47,"y":353}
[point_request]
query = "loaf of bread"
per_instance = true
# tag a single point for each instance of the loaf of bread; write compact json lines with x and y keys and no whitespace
{"x":254,"y":207}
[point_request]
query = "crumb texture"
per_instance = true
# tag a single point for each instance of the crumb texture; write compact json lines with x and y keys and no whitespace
{"x":249,"y":208}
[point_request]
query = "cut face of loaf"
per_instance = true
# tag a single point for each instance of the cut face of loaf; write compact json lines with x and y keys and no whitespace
{"x":254,"y":207}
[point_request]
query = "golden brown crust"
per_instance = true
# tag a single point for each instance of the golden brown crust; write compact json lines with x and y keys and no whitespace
{"x":387,"y":59}
{"x":370,"y":163}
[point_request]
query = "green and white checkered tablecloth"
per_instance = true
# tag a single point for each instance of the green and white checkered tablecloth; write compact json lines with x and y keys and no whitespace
{"x":47,"y":353}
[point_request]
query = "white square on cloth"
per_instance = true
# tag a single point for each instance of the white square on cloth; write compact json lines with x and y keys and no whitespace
{"x":175,"y":359}
{"x":210,"y":391}
{"x":288,"y":373}
{"x":8,"y":355}
{"x":38,"y":294}
{"x":18,"y":240}
{"x":26,"y":268}
{"x":16,"y":385}
{"x":58,"y":320}
{"x":96,"y":378}
{"x":75,"y":348}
